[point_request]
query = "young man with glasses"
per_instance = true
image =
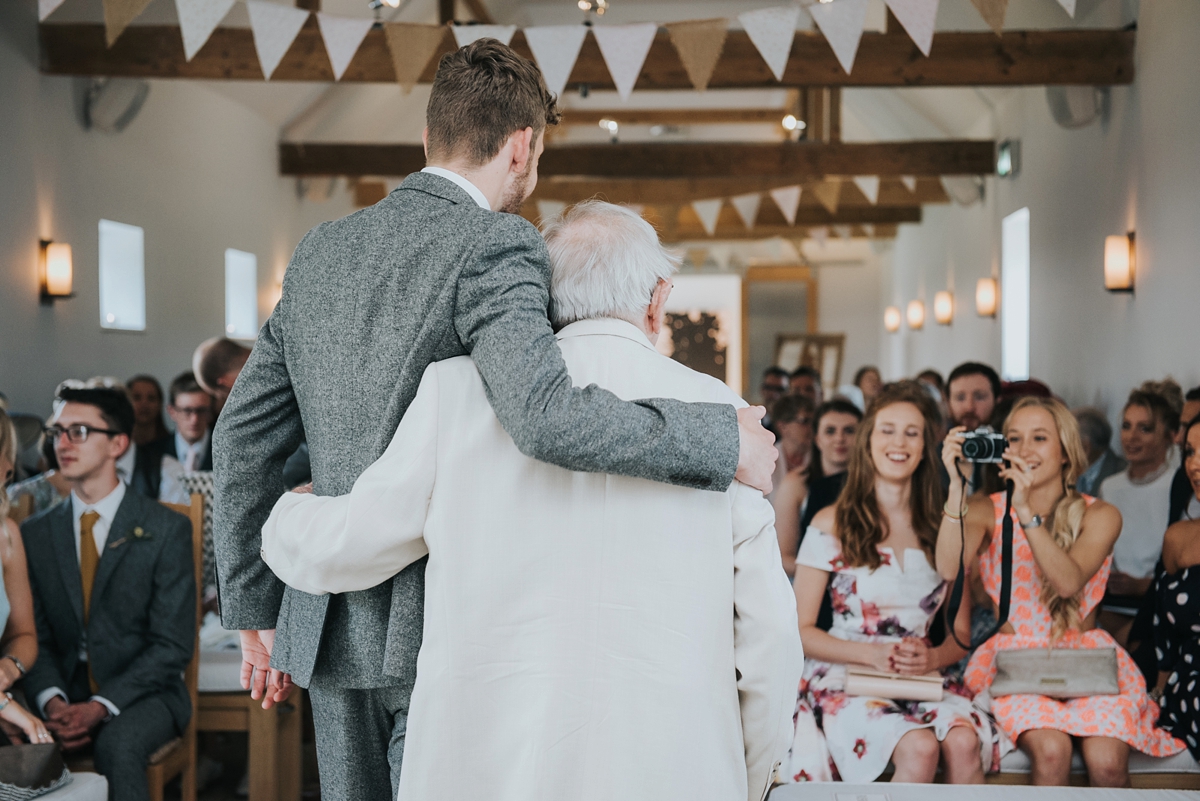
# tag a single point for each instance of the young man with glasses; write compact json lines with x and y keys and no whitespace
{"x":190,"y":408}
{"x":112,"y":580}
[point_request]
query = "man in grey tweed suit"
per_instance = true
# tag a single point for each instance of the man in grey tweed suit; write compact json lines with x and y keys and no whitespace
{"x":369,"y":301}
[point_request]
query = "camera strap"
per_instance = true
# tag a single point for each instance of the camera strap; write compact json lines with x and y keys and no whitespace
{"x":1006,"y":550}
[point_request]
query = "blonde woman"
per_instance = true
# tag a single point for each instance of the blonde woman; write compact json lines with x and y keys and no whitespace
{"x":18,"y":644}
{"x":1062,"y":555}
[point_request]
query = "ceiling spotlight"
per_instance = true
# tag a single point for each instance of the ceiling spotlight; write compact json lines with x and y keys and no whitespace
{"x":599,"y":6}
{"x":792,"y":124}
{"x":612,"y":127}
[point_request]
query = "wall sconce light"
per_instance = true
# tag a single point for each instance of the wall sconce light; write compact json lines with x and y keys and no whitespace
{"x":986,"y":297}
{"x":915,"y":314}
{"x":57,"y":273}
{"x":943,"y":307}
{"x":891,"y":319}
{"x":1120,"y":263}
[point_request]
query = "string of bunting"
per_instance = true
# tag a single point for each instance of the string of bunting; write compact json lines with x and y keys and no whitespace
{"x":699,"y":43}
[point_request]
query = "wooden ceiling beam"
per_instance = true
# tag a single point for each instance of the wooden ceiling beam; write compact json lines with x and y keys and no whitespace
{"x":784,"y":162}
{"x":683,"y":116}
{"x":892,"y":192}
{"x":1018,"y":58}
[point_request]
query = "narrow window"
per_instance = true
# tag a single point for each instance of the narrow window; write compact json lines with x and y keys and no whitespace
{"x":1014,"y":296}
{"x":122,"y":276}
{"x":241,"y":294}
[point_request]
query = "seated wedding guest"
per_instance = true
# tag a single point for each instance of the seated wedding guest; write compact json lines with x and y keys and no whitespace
{"x":800,"y":496}
{"x":1177,"y":614}
{"x":1184,"y":503}
{"x":1142,"y":493}
{"x":773,"y":387}
{"x":792,"y":416}
{"x":18,"y":644}
{"x":874,"y":550}
{"x":973,"y":390}
{"x":806,"y":382}
{"x":42,"y":491}
{"x":932,"y":378}
{"x":146,"y":395}
{"x":190,"y":408}
{"x":216,"y":364}
{"x":1061,"y":556}
{"x":587,"y":636}
{"x":869,"y":383}
{"x":113,"y":585}
{"x":1096,"y":434}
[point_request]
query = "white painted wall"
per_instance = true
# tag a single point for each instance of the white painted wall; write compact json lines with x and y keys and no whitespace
{"x":196,"y":169}
{"x":1138,"y":170}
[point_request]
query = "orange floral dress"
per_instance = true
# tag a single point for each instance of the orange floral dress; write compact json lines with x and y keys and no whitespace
{"x":1130,"y":716}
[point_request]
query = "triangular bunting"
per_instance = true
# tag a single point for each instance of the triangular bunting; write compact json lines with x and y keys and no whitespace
{"x":699,"y":44}
{"x":342,"y":37}
{"x":412,"y":47}
{"x":555,"y":47}
{"x":46,"y":8}
{"x":197,"y":20}
{"x":772,"y":31}
{"x":827,"y":193}
{"x":869,"y":186}
{"x":722,"y":255}
{"x":910,"y":182}
{"x":747,"y":207}
{"x":274,"y":27}
{"x":917,"y":17}
{"x":1069,"y":6}
{"x":708,"y":211}
{"x":465,"y":34}
{"x":992,"y":12}
{"x":841,"y":22}
{"x":624,"y":48}
{"x":118,"y":14}
{"x":962,"y":189}
{"x":787,"y":198}
{"x":549,"y":209}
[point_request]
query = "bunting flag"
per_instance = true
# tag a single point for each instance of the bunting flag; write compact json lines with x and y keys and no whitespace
{"x":117,"y":16}
{"x":342,"y":37}
{"x":772,"y":31}
{"x":747,"y":207}
{"x":869,"y":186}
{"x":1069,"y":6}
{"x":910,"y":182}
{"x":962,"y":189}
{"x":992,"y":12}
{"x":274,"y":27}
{"x":197,"y":20}
{"x":47,"y":7}
{"x":699,"y":44}
{"x":624,"y":48}
{"x":465,"y":34}
{"x":827,"y":193}
{"x":917,"y":17}
{"x":556,"y":47}
{"x":841,"y":22}
{"x":549,"y":209}
{"x":708,"y":211}
{"x":787,"y":198}
{"x":722,"y":255}
{"x":412,"y":46}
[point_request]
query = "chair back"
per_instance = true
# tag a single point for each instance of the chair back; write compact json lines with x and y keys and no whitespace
{"x":191,"y":677}
{"x":21,"y":508}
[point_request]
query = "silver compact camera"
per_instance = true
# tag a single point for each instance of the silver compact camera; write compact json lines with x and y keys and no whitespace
{"x":984,"y":445}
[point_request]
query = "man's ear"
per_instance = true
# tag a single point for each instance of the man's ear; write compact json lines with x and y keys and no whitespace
{"x":119,"y":445}
{"x":522,"y":149}
{"x":425,"y":142}
{"x":658,"y":301}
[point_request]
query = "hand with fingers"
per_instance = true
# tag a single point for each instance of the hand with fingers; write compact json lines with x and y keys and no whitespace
{"x":756,"y":450}
{"x":1017,"y":471}
{"x":14,"y":716}
{"x":263,"y":681}
{"x":913,"y":657}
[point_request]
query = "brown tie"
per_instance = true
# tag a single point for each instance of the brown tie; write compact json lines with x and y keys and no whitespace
{"x":89,"y":560}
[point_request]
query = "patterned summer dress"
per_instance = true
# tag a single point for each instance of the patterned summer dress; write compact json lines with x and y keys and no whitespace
{"x":1130,"y":716}
{"x":851,"y":738}
{"x":1177,"y":647}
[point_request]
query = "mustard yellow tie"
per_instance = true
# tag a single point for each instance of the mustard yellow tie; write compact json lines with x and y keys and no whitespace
{"x":89,"y":560}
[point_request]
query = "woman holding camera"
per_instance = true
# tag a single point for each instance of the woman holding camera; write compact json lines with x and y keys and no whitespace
{"x":874,"y":550}
{"x":1061,"y":558}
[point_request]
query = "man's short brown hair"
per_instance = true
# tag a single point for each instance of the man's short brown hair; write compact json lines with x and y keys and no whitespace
{"x":214,"y":358}
{"x":483,"y":94}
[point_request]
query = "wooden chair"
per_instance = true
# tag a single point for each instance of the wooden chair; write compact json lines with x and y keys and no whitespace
{"x":21,"y":508}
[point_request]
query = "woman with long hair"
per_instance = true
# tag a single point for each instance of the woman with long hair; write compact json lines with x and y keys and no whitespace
{"x":1061,"y":557}
{"x":146,"y":395}
{"x":874,"y":550}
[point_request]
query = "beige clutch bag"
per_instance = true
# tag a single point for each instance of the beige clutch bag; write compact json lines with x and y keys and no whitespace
{"x":864,"y":681}
{"x":1056,"y":672}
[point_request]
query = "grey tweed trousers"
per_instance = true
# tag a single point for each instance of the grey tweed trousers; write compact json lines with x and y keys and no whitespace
{"x":360,"y":740}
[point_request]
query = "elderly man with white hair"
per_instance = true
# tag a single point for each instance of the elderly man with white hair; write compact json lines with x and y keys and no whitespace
{"x":585,"y":636}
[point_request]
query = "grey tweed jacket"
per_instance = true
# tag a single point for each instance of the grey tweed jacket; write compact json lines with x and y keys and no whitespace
{"x":369,"y":301}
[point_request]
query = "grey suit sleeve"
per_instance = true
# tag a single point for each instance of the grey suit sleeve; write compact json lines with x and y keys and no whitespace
{"x":44,"y":673}
{"x":501,"y":318}
{"x":259,"y":428}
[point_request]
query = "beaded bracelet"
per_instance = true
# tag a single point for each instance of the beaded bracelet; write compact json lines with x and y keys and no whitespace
{"x":961,"y":512}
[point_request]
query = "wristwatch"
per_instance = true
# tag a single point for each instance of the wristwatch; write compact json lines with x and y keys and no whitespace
{"x":1034,"y":522}
{"x":17,"y":662}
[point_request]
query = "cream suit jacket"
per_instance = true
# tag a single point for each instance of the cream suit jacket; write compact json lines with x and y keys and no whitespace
{"x":586,"y":636}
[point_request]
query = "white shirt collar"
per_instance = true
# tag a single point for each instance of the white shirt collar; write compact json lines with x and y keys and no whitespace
{"x":182,"y":447}
{"x":468,"y":187}
{"x":106,"y":507}
{"x":606,"y":326}
{"x":127,"y":462}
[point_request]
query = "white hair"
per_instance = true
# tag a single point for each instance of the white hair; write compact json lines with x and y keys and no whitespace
{"x":606,"y":262}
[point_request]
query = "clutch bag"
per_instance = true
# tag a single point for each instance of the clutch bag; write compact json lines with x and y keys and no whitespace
{"x":30,"y":770}
{"x":877,"y":684}
{"x":1056,"y":672}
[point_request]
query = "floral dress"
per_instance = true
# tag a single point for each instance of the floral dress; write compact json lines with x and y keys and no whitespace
{"x":1177,"y":648}
{"x":1129,"y":716}
{"x":851,"y":738}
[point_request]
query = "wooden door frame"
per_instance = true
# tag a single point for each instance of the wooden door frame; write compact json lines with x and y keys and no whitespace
{"x":784,"y":271}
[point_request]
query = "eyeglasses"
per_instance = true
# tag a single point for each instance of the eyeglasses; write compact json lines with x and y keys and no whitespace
{"x":78,"y":433}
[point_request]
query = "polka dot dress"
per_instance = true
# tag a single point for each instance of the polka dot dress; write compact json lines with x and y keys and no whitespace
{"x":1177,"y":647}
